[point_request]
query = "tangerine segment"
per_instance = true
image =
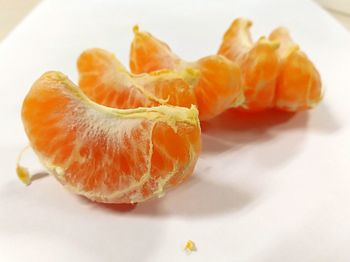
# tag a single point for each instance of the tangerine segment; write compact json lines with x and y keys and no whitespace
{"x":237,"y":40}
{"x":148,"y":54}
{"x":299,"y":83}
{"x":104,"y":79}
{"x":109,"y":155}
{"x":259,"y":63}
{"x":219,"y":86}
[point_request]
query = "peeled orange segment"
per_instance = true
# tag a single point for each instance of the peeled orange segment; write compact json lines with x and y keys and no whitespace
{"x":259,"y":63}
{"x":148,"y":54}
{"x":104,"y":79}
{"x":299,"y":83}
{"x":105,"y":154}
{"x":219,"y":86}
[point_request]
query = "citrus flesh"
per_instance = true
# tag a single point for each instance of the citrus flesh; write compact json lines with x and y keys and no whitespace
{"x":219,"y":86}
{"x":258,"y":61}
{"x":276,"y":74}
{"x":298,"y":84}
{"x":105,"y":154}
{"x":105,"y":80}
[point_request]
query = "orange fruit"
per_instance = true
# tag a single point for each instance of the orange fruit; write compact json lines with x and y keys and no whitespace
{"x":219,"y":86}
{"x":105,"y":154}
{"x":105,"y":80}
{"x":276,"y":74}
{"x":258,"y":61}
{"x":299,"y":83}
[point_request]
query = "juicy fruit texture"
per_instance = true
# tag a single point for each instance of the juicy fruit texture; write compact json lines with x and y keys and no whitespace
{"x":104,"y":79}
{"x":219,"y":86}
{"x":109,"y":155}
{"x":275,"y":72}
{"x":259,"y":63}
{"x":299,"y":83}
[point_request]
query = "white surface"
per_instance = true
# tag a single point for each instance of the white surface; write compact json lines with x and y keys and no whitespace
{"x":338,"y":5}
{"x":269,"y":189}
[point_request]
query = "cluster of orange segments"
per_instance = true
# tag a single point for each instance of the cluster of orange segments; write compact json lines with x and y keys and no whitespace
{"x":121,"y":137}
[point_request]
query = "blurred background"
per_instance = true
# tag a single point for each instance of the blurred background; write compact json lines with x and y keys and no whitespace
{"x":13,"y":11}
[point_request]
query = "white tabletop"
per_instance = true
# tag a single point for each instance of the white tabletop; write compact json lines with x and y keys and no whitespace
{"x":13,"y":11}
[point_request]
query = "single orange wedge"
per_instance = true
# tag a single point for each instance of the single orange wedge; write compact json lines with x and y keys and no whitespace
{"x":105,"y":154}
{"x":105,"y":80}
{"x":298,"y":83}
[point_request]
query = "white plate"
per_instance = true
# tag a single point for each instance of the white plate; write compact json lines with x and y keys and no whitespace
{"x":265,"y":188}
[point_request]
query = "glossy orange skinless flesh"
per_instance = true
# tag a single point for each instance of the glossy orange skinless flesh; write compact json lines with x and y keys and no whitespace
{"x":109,"y":155}
{"x":219,"y":86}
{"x":299,"y":83}
{"x":104,"y":80}
{"x":259,"y":63}
{"x":148,"y":54}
